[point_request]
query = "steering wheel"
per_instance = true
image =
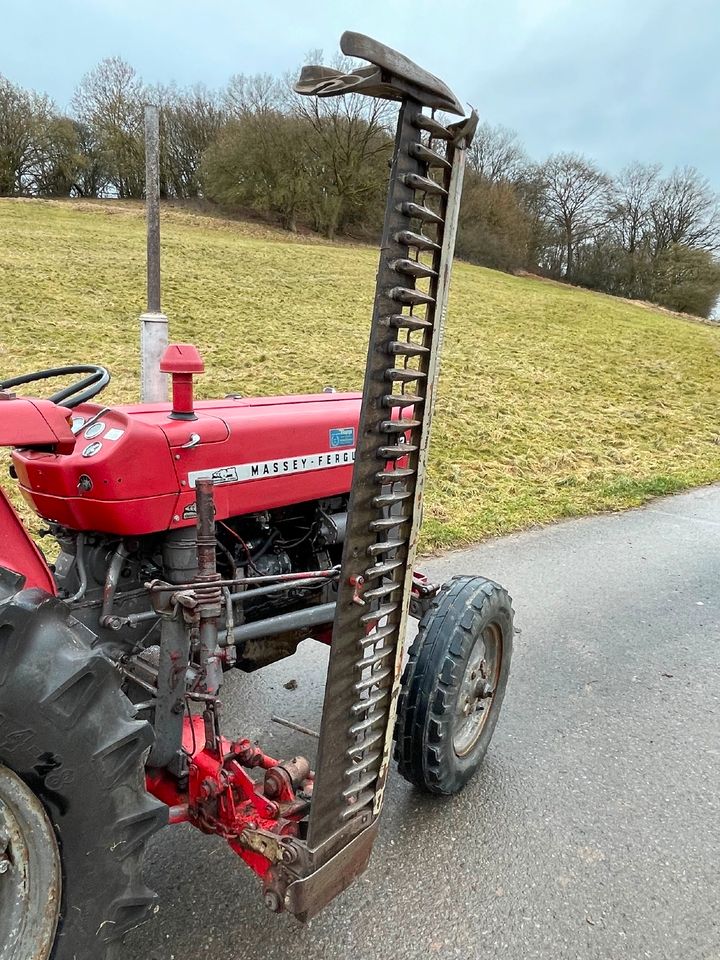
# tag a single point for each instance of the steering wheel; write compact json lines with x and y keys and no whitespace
{"x":78,"y":392}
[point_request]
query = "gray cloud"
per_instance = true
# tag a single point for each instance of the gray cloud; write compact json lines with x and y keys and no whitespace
{"x":617,"y":80}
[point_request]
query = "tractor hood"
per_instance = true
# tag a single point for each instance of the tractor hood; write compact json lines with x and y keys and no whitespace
{"x":133,"y":468}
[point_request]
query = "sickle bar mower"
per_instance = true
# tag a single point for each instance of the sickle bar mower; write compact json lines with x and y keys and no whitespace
{"x":256,"y":524}
{"x":386,"y":498}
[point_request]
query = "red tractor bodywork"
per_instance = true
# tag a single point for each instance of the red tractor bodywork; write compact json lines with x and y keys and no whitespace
{"x":29,"y":422}
{"x":133,"y":469}
{"x":18,"y":551}
{"x":37,"y":423}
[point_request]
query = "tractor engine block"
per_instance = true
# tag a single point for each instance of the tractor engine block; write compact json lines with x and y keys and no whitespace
{"x":104,"y":577}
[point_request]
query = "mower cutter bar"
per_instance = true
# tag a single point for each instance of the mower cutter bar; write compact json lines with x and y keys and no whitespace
{"x":330,"y":845}
{"x":385,"y":506}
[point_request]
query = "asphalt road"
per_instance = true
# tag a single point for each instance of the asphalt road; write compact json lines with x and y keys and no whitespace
{"x":594,"y":828}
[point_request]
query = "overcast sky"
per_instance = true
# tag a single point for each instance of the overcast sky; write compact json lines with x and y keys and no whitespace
{"x":617,"y":80}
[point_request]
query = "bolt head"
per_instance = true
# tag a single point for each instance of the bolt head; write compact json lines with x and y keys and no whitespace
{"x":4,"y":865}
{"x":289,"y":854}
{"x":273,"y":901}
{"x":271,"y":787}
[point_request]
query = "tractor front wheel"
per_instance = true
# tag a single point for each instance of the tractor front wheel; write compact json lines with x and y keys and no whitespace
{"x":74,"y":813}
{"x":453,"y":685}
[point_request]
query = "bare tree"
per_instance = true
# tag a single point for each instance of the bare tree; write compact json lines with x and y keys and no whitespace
{"x":191,"y":121}
{"x":254,"y":95}
{"x":496,"y":154}
{"x":91,"y":177}
{"x":23,"y":117}
{"x":576,"y":202}
{"x":261,"y":163}
{"x":686,"y":279}
{"x":625,"y":259}
{"x":110,"y":102}
{"x":494,"y":228}
{"x":633,"y":196}
{"x":58,"y":170}
{"x":687,"y":211}
{"x":349,"y":142}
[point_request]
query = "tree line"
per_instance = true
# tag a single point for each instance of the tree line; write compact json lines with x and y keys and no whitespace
{"x":257,"y":147}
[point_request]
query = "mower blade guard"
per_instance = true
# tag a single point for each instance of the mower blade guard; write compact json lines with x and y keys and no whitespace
{"x":385,"y":508}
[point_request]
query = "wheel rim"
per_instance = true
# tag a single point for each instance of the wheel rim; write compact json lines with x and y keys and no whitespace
{"x":477,"y":689}
{"x":30,"y":873}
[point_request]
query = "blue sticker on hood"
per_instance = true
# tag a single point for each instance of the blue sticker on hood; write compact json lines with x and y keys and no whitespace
{"x":342,"y":437}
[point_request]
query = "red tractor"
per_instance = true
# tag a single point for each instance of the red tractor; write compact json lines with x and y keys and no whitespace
{"x":197,"y":537}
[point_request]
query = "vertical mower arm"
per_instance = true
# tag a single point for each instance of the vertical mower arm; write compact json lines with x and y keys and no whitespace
{"x":386,"y":497}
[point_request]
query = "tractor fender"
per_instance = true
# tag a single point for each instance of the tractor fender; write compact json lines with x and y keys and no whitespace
{"x":18,"y":551}
{"x":35,"y":423}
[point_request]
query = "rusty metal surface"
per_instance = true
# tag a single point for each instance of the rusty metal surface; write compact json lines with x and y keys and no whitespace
{"x":152,"y":205}
{"x":385,"y":507}
{"x":306,"y":897}
{"x":186,"y":615}
{"x":168,"y":701}
{"x":208,"y":590}
{"x":439,"y":288}
{"x":392,"y":76}
{"x":399,"y":66}
{"x":478,"y":685}
{"x":30,"y":873}
{"x":375,"y":581}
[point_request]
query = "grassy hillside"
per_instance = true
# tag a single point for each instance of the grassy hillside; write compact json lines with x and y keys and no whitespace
{"x":553,"y":401}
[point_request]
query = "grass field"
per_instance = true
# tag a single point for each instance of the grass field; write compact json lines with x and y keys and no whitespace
{"x":553,"y":402}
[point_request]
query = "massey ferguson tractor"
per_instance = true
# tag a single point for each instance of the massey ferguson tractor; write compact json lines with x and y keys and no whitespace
{"x":198,"y":537}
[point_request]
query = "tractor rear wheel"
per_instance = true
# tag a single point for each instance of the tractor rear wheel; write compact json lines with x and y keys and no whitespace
{"x":74,"y":814}
{"x":453,"y":685}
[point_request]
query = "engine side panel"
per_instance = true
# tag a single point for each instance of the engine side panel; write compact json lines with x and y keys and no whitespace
{"x":133,"y":469}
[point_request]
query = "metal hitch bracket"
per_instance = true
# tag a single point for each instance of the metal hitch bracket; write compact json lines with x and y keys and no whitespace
{"x":306,"y":897}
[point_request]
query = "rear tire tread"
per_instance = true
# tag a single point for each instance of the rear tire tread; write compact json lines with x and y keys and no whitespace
{"x":99,"y":750}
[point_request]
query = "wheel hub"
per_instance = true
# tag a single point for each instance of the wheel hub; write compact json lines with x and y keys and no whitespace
{"x":476,"y":691}
{"x":30,"y":873}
